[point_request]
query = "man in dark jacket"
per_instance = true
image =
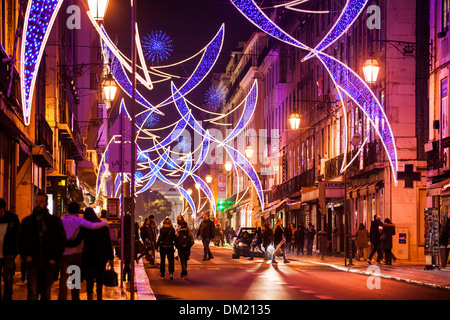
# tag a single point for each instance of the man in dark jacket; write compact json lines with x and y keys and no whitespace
{"x":376,"y":226}
{"x":267,"y":238}
{"x":207,"y":231}
{"x":41,"y":242}
{"x":299,"y":236}
{"x":9,"y":228}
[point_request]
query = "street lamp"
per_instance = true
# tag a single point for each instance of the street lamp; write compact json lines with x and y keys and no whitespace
{"x":109,"y":88}
{"x":371,"y":68}
{"x":209,"y":178}
{"x":189,"y":191}
{"x":228,"y":166}
{"x":249,"y":151}
{"x":98,"y":8}
{"x":294,"y":120}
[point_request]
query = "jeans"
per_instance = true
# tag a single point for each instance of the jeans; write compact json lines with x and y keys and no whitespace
{"x":309,"y":246}
{"x":40,"y":277}
{"x":7,"y":270}
{"x":170,"y":253}
{"x":300,"y":246}
{"x":206,"y":251}
{"x":66,"y":261}
{"x":184,"y":257}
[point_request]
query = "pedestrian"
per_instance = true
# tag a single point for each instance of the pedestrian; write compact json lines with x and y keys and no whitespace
{"x":126,"y":247}
{"x":72,"y":223}
{"x":184,"y":242}
{"x":386,"y":240}
{"x":310,"y":233}
{"x":278,"y":236}
{"x":166,"y":242}
{"x":207,"y":231}
{"x":41,"y":242}
{"x":375,"y":230}
{"x":9,"y":229}
{"x":362,"y":241}
{"x":289,"y":235}
{"x":257,"y":240}
{"x":299,"y":237}
{"x":97,"y":252}
{"x":267,"y":239}
{"x":146,"y":234}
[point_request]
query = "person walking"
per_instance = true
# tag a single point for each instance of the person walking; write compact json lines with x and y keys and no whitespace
{"x":126,"y":272}
{"x":207,"y":231}
{"x":299,"y":237}
{"x":362,"y":241}
{"x":146,"y":234}
{"x":375,"y":230}
{"x":278,"y":236}
{"x":267,"y":239}
{"x":166,"y":242}
{"x":72,"y":223}
{"x":184,"y":242}
{"x":289,"y":235}
{"x":257,"y":241}
{"x":97,"y":252}
{"x":41,"y":241}
{"x":386,"y":240}
{"x":310,"y":233}
{"x":9,"y":229}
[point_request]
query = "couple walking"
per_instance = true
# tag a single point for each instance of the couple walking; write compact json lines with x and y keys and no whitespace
{"x":168,"y":239}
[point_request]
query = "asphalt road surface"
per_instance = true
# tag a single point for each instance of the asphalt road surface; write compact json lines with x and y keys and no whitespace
{"x":224,"y":278}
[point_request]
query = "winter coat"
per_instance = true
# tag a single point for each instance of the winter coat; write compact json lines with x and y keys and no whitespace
{"x":182,"y":232}
{"x":278,"y":235}
{"x":267,"y":237}
{"x":12,"y":229}
{"x":362,"y":238}
{"x":310,"y":233}
{"x":167,"y":237}
{"x":299,"y":234}
{"x":206,"y":229}
{"x":386,"y":235}
{"x":375,"y":232}
{"x":97,"y":248}
{"x":41,"y":237}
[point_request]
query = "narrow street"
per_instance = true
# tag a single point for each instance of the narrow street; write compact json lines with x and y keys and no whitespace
{"x":224,"y":278}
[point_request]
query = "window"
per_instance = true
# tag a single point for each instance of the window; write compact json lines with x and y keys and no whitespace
{"x":445,"y":16}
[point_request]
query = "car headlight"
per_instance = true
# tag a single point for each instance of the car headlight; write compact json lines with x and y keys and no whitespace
{"x":241,"y":244}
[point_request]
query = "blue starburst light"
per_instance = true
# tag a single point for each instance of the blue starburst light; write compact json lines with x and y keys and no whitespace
{"x":215,"y":97}
{"x":157,"y":46}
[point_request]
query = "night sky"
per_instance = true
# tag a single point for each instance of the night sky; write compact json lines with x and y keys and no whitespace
{"x":191,"y":24}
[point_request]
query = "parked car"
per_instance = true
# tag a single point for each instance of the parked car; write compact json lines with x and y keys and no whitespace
{"x":242,"y":243}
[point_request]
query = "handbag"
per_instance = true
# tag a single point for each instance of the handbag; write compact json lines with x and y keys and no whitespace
{"x":110,"y":277}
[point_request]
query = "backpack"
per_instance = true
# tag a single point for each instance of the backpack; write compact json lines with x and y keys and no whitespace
{"x":185,"y":240}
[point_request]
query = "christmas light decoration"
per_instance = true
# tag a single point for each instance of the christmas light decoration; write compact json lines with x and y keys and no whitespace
{"x":345,"y":79}
{"x":215,"y":97}
{"x":157,"y":46}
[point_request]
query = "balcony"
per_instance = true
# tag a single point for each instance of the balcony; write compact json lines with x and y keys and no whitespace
{"x":284,"y":190}
{"x":5,"y":76}
{"x":43,"y":151}
{"x":70,"y":133}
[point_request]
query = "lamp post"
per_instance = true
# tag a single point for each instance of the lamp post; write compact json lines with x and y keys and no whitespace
{"x":98,"y":9}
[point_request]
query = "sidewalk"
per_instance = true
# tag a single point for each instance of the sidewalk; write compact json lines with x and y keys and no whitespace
{"x":142,"y":287}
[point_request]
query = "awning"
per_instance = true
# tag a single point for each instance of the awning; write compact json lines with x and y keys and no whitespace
{"x":270,"y":211}
{"x":310,"y":194}
{"x":435,"y":189}
{"x":375,"y":186}
{"x":357,"y":190}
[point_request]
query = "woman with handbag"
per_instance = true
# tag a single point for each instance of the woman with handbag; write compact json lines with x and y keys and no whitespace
{"x":166,"y":242}
{"x":278,"y":237}
{"x":362,"y":241}
{"x":97,"y":252}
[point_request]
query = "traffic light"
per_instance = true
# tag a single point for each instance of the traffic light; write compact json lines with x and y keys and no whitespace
{"x":220,"y":204}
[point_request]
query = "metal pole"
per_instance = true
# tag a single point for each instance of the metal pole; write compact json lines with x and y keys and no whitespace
{"x":133,"y":143}
{"x":122,"y":196}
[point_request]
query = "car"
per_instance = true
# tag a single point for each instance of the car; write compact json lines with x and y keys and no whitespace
{"x":242,"y":243}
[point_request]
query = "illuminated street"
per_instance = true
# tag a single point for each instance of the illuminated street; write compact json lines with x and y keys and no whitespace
{"x":223,"y":278}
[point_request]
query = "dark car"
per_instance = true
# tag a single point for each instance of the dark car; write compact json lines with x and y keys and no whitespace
{"x":242,"y":244}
